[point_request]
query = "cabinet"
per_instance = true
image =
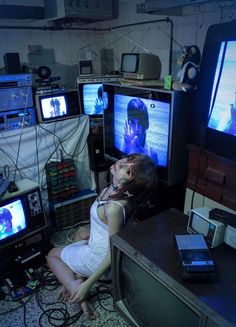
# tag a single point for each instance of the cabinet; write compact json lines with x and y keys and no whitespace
{"x":212,"y":176}
{"x":148,"y":288}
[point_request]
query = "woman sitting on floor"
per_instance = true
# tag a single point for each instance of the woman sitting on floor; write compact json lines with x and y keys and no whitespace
{"x":79,"y":265}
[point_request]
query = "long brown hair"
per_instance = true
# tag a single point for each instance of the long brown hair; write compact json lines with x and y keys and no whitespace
{"x":144,"y":185}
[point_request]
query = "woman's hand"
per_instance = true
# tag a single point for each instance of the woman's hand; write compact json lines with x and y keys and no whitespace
{"x":79,"y":293}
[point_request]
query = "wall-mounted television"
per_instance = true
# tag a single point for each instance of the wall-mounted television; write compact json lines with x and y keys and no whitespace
{"x":149,"y":121}
{"x":57,"y":105}
{"x":140,"y":66}
{"x":93,"y":99}
{"x":215,"y":107}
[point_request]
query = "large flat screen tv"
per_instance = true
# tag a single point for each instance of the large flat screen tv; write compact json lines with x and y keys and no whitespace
{"x":149,"y":121}
{"x":215,"y":107}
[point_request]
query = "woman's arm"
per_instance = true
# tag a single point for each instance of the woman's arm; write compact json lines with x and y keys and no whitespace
{"x":114,"y":215}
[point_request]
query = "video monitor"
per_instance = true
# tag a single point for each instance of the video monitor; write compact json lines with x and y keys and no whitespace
{"x":142,"y":125}
{"x":53,"y":106}
{"x":94,"y":100}
{"x":223,"y":107}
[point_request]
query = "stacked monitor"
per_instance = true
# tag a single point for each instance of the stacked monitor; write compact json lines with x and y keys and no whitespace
{"x":215,"y":107}
{"x":92,"y":97}
{"x":149,"y":121}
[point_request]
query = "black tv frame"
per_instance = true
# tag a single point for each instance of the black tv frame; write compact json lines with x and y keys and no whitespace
{"x":215,"y":141}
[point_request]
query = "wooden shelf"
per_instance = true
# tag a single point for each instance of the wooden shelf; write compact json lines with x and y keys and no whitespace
{"x":212,"y":176}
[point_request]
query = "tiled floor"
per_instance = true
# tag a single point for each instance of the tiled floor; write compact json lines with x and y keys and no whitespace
{"x":43,"y":309}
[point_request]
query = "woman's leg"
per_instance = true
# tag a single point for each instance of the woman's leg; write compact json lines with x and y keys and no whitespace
{"x":68,"y":279}
{"x":63,"y":273}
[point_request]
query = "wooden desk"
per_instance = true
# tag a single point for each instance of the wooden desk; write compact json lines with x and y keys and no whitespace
{"x":150,"y":244}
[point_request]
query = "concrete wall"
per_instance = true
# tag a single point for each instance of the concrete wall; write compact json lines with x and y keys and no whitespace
{"x":59,"y":48}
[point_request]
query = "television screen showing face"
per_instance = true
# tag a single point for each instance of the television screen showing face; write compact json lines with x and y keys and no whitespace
{"x":223,"y":105}
{"x":94,"y":99}
{"x":12,"y":219}
{"x":129,"y":63}
{"x":142,"y":126}
{"x":53,"y":107}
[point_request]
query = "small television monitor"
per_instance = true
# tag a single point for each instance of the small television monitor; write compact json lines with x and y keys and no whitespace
{"x":149,"y":121}
{"x":21,"y":222}
{"x":215,"y":108}
{"x":12,"y":219}
{"x":21,"y":216}
{"x":93,"y":99}
{"x":57,"y":105}
{"x":140,"y":66}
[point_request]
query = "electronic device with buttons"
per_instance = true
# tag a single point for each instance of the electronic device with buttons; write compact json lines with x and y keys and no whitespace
{"x":22,"y":220}
{"x":16,"y":102}
{"x":194,"y":257}
{"x":16,"y":119}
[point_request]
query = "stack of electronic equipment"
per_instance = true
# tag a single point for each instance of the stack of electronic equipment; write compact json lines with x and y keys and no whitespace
{"x":16,"y":107}
{"x":68,"y":204}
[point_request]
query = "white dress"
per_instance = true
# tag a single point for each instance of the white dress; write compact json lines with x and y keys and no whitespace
{"x":84,"y":257}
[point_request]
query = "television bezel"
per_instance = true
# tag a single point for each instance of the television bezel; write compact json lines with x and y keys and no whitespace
{"x":148,"y":66}
{"x":179,"y":135}
{"x":218,"y":142}
{"x":9,"y":239}
{"x":30,"y":220}
{"x":119,"y":248}
{"x":49,"y":98}
{"x":80,"y":87}
{"x":70,"y":97}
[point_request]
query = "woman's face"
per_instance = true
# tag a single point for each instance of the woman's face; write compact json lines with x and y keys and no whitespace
{"x":122,"y":171}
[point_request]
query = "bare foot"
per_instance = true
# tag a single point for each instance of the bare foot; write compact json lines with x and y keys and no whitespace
{"x":87,"y":310}
{"x":63,"y":294}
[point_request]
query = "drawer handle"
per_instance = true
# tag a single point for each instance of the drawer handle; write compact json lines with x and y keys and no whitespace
{"x":215,"y":175}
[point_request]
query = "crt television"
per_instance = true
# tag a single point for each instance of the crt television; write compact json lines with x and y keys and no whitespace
{"x":215,"y":107}
{"x":54,"y":106}
{"x":93,"y":101}
{"x":21,"y":215}
{"x":143,"y":294}
{"x":92,"y":98}
{"x":140,"y":66}
{"x":164,"y":127}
